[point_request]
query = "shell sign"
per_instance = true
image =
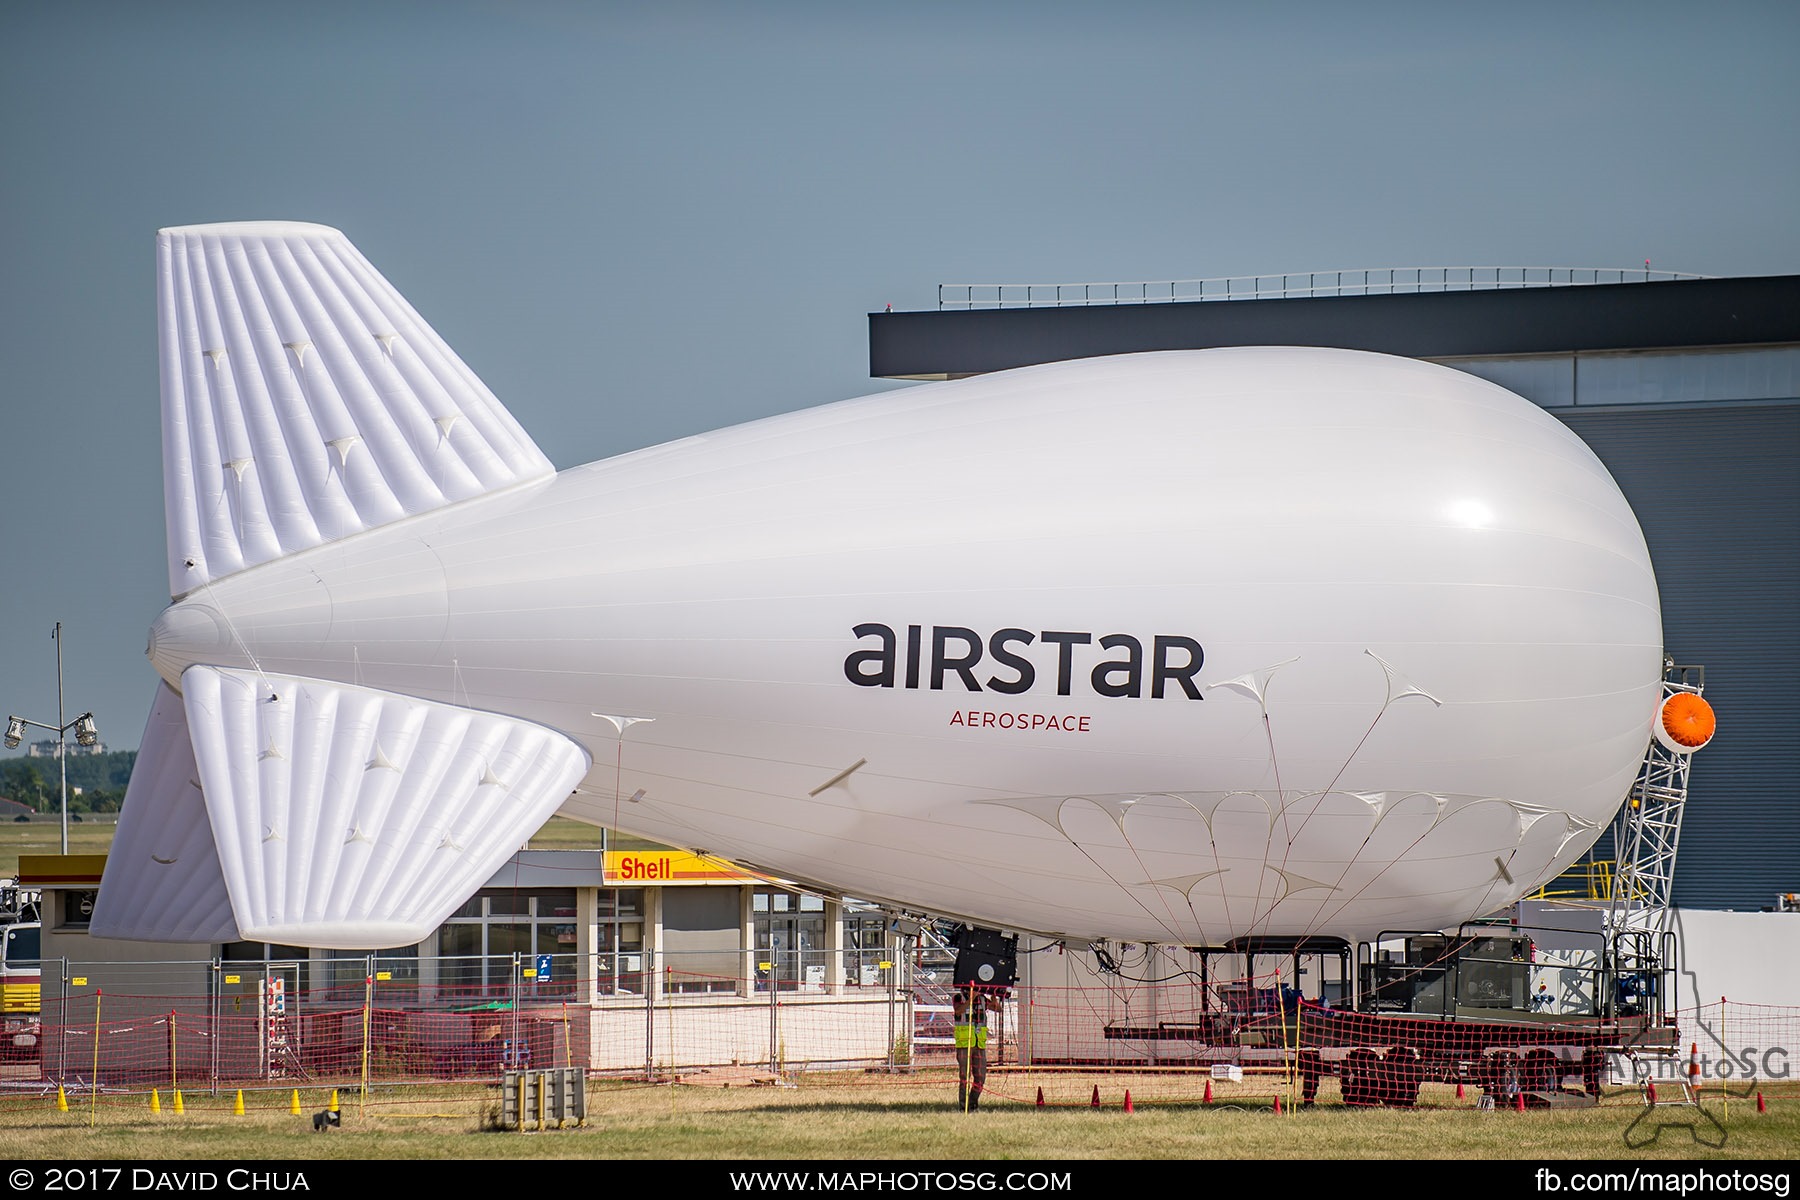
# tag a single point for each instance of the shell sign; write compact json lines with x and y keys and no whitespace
{"x":636,"y":867}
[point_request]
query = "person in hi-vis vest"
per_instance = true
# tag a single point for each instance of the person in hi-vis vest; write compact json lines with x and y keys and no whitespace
{"x":969,"y":1009}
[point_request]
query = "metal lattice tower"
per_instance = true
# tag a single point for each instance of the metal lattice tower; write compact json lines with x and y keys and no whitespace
{"x":1648,"y":831}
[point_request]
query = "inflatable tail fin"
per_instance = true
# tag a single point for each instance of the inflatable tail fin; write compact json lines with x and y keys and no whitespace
{"x":304,"y":400}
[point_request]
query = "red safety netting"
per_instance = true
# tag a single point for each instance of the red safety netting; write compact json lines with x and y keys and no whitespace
{"x":1202,"y":1034}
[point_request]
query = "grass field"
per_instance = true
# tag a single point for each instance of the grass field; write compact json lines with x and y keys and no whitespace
{"x":43,"y":835}
{"x":864,"y":1116}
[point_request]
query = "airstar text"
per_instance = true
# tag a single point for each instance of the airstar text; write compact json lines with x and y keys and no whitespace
{"x":954,"y":653}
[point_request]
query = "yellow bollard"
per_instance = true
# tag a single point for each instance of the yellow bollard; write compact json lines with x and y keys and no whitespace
{"x":178,"y":1109}
{"x":237,"y":1110}
{"x":334,"y":1104}
{"x":155,"y":1102}
{"x":62,"y":1099}
{"x":294,"y":1104}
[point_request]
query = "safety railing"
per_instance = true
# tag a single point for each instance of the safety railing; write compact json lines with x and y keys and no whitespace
{"x":1588,"y":879}
{"x":1290,"y":285}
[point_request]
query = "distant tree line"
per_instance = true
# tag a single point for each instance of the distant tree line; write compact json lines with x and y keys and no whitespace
{"x":101,"y":777}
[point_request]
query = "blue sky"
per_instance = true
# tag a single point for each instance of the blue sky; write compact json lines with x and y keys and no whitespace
{"x":642,"y":221}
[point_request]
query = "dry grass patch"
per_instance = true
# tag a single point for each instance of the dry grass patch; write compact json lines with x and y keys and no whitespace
{"x":860,"y":1116}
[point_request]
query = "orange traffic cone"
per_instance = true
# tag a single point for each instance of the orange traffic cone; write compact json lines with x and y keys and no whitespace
{"x":1459,"y":1091}
{"x":1519,"y":1102}
{"x":1208,"y":1098}
{"x":1278,"y":1104}
{"x":1694,"y":1069}
{"x":1040,"y":1102}
{"x":1095,"y":1102}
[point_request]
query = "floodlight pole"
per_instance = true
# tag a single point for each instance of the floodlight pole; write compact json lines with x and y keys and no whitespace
{"x":61,"y":729}
{"x":62,"y":737}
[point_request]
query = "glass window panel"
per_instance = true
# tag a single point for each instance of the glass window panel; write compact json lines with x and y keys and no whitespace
{"x":471,"y":908}
{"x":865,"y":933}
{"x":348,"y":969}
{"x":506,"y":940}
{"x":621,"y":902}
{"x":458,"y":940}
{"x":459,"y":956}
{"x":399,"y":963}
{"x":516,"y":904}
{"x":398,"y":970}
{"x":701,"y":946}
{"x":456,"y":975}
{"x":865,"y":944}
{"x":558,"y":902}
{"x":22,"y":946}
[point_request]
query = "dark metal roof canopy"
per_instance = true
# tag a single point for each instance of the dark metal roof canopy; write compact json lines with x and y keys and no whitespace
{"x":1526,"y":320}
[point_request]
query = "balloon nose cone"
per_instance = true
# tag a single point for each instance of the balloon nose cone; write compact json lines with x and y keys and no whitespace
{"x":185,"y":634}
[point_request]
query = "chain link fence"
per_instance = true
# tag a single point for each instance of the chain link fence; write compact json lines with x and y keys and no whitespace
{"x":369,"y":1018}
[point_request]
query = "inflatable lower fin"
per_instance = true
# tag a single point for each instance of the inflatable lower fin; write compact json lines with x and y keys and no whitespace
{"x":339,"y":817}
{"x":162,"y":881}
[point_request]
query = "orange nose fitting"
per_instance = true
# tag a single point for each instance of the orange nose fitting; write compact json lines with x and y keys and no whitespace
{"x":1688,"y":720}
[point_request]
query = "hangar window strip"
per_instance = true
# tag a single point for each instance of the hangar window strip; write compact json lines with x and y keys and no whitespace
{"x":1592,"y":378}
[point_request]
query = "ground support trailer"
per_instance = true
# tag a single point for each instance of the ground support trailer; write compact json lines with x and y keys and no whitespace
{"x":1383,"y":1058}
{"x":1441,"y":1008}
